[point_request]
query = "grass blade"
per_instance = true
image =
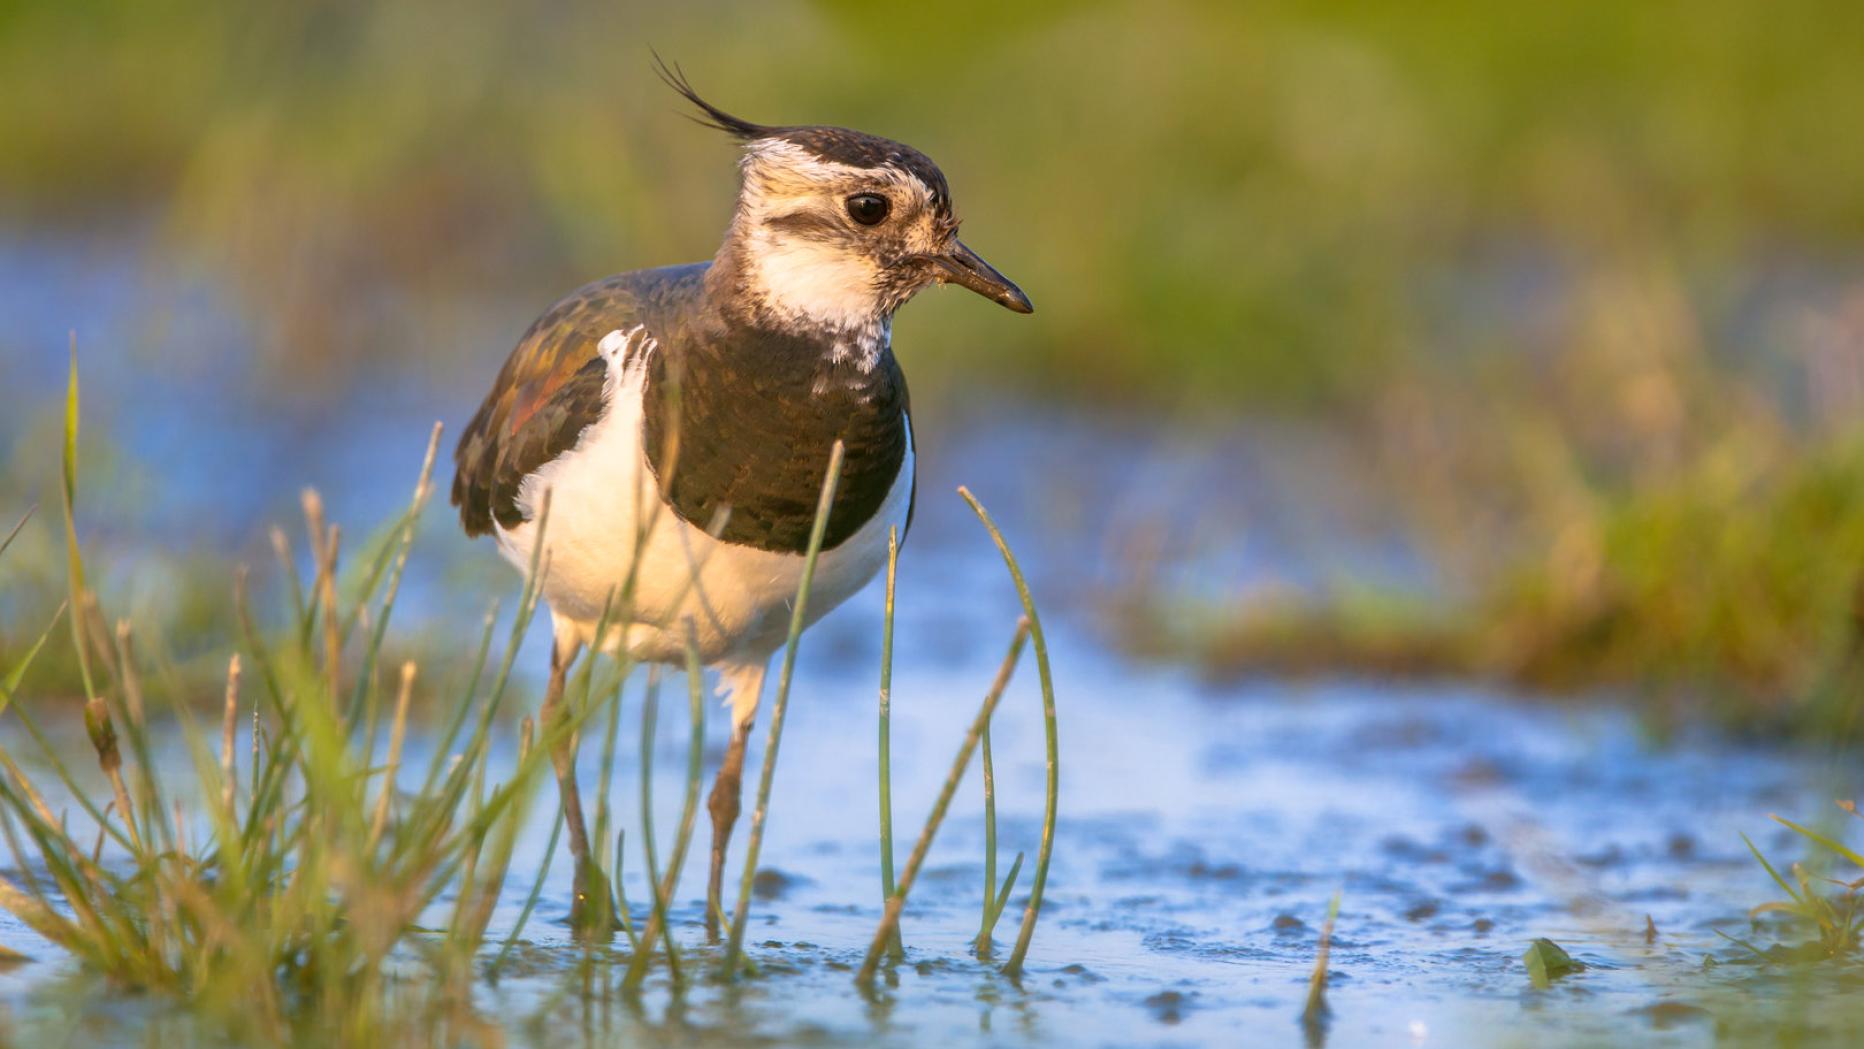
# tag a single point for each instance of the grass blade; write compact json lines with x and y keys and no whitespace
{"x":1774,"y":874}
{"x":1002,"y":897}
{"x":1052,"y":780}
{"x":18,"y":673}
{"x":689,"y":811}
{"x":798,"y":616}
{"x":1316,"y":1011}
{"x":17,"y":528}
{"x":1831,"y":843}
{"x":981,"y":945}
{"x":890,"y":920}
{"x":74,"y":559}
{"x":897,"y":949}
{"x":530,"y":901}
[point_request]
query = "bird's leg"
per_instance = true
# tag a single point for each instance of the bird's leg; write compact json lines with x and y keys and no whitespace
{"x":591,"y":910}
{"x":723,"y":805}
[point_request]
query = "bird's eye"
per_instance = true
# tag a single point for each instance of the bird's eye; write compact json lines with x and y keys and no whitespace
{"x":869,"y":209}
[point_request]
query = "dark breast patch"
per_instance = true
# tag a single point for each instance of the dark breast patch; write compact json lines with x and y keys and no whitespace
{"x":746,"y":420}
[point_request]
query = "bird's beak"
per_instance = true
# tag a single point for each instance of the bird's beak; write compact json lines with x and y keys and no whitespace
{"x":963,"y":266}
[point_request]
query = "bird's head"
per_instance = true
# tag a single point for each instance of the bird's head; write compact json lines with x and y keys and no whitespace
{"x":839,"y":228}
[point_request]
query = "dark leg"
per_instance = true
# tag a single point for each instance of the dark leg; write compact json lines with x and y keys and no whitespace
{"x":723,"y":805}
{"x":591,"y":911}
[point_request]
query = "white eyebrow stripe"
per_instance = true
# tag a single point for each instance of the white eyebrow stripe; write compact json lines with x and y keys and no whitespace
{"x":773,"y":160}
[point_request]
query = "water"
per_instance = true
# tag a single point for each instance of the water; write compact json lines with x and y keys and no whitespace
{"x":1203,"y":829}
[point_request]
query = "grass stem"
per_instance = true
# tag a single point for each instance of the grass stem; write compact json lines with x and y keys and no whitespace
{"x":896,"y":948}
{"x":798,"y":617}
{"x":1052,"y":778}
{"x":890,"y":920}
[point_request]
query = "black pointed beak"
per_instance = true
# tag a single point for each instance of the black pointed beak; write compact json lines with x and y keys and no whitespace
{"x":963,"y":266}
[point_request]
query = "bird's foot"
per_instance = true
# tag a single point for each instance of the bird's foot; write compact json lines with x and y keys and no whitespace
{"x":592,"y":907}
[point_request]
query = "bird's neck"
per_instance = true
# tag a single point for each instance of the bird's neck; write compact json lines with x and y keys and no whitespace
{"x":785,"y":283}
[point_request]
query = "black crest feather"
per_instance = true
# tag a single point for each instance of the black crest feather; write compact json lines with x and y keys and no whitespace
{"x":838,"y":144}
{"x":709,"y":115}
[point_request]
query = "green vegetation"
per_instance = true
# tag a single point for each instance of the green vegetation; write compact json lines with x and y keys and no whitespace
{"x":279,"y":902}
{"x":1546,"y":962}
{"x":889,"y":922}
{"x":798,"y":617}
{"x":1648,"y":519}
{"x":1834,"y":917}
{"x":1735,"y":591}
{"x":289,"y":901}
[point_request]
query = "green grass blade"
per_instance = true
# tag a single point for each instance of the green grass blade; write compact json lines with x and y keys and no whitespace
{"x":897,"y":948}
{"x":622,"y":910}
{"x":981,"y":945}
{"x":17,"y":528}
{"x":657,"y":904}
{"x":1774,"y":874}
{"x":530,"y":901}
{"x":1757,"y":952}
{"x":798,"y":616}
{"x":895,"y":905}
{"x":18,"y":673}
{"x":1003,"y":897}
{"x":1052,"y":780}
{"x":443,"y":744}
{"x":1836,"y":846}
{"x":689,"y":811}
{"x":365,"y":681}
{"x":74,"y":558}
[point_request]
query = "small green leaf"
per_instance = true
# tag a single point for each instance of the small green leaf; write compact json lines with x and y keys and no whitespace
{"x":1547,"y":961}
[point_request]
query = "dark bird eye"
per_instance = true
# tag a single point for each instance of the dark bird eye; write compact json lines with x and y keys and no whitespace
{"x":868,"y":208}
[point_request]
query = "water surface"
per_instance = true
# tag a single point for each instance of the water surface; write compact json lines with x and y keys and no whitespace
{"x":1203,"y":829}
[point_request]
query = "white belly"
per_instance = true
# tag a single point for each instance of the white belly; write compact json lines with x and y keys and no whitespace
{"x":605,"y":508}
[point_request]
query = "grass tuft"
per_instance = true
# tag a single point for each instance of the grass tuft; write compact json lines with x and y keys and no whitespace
{"x":306,"y":897}
{"x":1830,"y":907}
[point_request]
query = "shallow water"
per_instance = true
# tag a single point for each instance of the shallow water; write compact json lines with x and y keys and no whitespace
{"x":1203,"y":830}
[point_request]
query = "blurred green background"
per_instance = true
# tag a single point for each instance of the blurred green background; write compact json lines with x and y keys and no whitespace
{"x":1270,"y":204}
{"x":1580,"y":285}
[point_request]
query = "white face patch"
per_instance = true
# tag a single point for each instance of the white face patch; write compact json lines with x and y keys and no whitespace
{"x":810,"y":280}
{"x":806,"y":279}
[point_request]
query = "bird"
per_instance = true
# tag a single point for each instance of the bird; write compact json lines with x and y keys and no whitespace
{"x":679,"y":422}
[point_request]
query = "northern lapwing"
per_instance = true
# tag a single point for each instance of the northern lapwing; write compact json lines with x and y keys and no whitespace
{"x":682,"y":420}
